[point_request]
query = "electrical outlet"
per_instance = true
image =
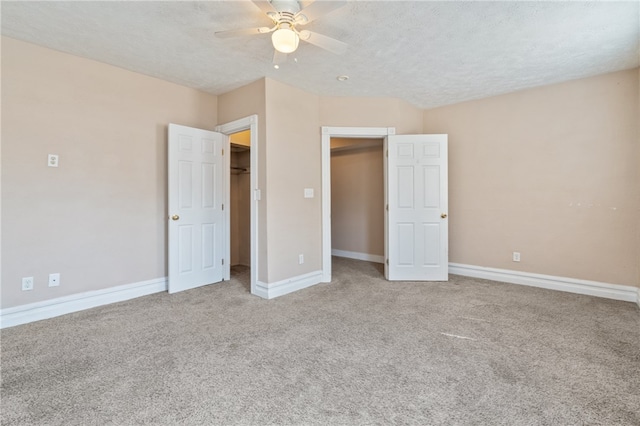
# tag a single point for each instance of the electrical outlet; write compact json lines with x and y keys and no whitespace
{"x":52,"y":160}
{"x":516,"y":256}
{"x":27,"y":283}
{"x":54,"y":280}
{"x":300,"y":259}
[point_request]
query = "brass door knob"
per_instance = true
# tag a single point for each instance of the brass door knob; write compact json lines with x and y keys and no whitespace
{"x":175,"y":217}
{"x":443,"y":215}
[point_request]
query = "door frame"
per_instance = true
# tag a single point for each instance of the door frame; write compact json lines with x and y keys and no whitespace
{"x":327,"y":134}
{"x":247,"y":123}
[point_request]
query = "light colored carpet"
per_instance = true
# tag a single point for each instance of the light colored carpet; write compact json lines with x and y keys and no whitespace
{"x":357,"y":351}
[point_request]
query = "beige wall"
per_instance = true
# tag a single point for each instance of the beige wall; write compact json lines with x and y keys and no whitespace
{"x":240,"y":211}
{"x":244,"y":223}
{"x":357,"y":196}
{"x":100,"y":218}
{"x":550,"y":172}
{"x":370,"y":112}
{"x":290,"y":160}
{"x":240,"y":103}
{"x":234,"y":225}
{"x":293,"y":162}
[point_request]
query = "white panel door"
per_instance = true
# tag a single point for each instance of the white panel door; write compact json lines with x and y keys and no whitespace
{"x":195,"y":207}
{"x":417,"y":202}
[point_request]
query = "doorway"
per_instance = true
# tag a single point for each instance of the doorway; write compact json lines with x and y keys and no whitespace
{"x":249,"y":125}
{"x":357,"y":199}
{"x":327,"y":134}
{"x":416,"y":203}
{"x":240,"y":207}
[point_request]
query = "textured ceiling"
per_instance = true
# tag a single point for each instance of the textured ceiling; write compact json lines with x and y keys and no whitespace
{"x":427,"y":53}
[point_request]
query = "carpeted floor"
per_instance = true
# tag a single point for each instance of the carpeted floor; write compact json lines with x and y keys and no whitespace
{"x":357,"y":351}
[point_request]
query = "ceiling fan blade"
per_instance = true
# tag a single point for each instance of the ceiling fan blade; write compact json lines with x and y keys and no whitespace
{"x":265,"y":6}
{"x":243,"y":32}
{"x":279,"y":57}
{"x":315,"y":10}
{"x":323,"y":41}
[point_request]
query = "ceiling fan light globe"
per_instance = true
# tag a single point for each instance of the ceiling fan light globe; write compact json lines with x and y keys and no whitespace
{"x":285,"y":40}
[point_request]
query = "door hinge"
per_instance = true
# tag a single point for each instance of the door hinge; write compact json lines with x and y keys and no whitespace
{"x":387,"y":261}
{"x":222,"y":151}
{"x":386,"y":153}
{"x":387,"y":207}
{"x":223,"y":261}
{"x":223,"y":207}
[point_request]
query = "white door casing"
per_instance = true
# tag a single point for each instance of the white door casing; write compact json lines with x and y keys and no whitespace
{"x":196,"y":222}
{"x":417,"y":200}
{"x":327,"y":134}
{"x":247,"y":123}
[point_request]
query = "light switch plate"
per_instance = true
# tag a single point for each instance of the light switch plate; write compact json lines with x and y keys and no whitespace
{"x":308,"y":193}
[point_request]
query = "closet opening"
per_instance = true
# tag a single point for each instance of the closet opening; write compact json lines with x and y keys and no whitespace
{"x":240,"y":207}
{"x":357,"y":199}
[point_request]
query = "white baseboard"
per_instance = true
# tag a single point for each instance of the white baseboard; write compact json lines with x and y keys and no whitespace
{"x":359,"y":256}
{"x":280,"y":288}
{"x":23,"y":314}
{"x":31,"y":312}
{"x":571,"y":285}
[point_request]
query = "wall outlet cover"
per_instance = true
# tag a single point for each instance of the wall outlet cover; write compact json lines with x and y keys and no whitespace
{"x":54,"y":280}
{"x":52,"y":160}
{"x":27,"y":283}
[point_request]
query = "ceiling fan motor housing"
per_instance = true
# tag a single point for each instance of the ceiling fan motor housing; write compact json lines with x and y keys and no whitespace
{"x":291,"y":6}
{"x":286,"y":16}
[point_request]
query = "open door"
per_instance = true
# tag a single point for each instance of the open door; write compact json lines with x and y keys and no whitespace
{"x":416,"y":195}
{"x":196,"y":231}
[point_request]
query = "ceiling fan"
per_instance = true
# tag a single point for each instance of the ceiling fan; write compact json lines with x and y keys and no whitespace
{"x":287,"y":15}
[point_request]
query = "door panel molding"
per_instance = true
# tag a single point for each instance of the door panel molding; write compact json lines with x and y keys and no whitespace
{"x":416,"y":228}
{"x":195,"y":186}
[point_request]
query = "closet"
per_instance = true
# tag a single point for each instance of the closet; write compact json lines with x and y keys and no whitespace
{"x":357,"y":199}
{"x":240,"y":208}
